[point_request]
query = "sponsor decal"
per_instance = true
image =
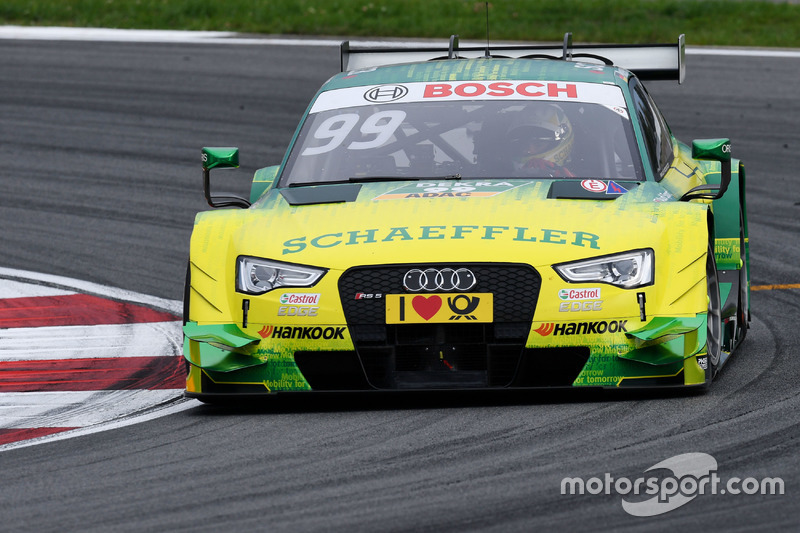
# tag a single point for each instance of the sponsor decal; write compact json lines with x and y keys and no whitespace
{"x":545,"y":329}
{"x":461,"y":189}
{"x":664,"y":196}
{"x":592,"y":293}
{"x":368,"y":296}
{"x":291,"y":310}
{"x":439,"y":308}
{"x":425,"y":306}
{"x":463,"y":309}
{"x":565,"y":307}
{"x":300,"y":304}
{"x":582,"y":328}
{"x":478,"y":90}
{"x":293,"y":298}
{"x":703,"y":362}
{"x":621,"y":111}
{"x":581,"y":239}
{"x":432,"y":279}
{"x":528,"y":89}
{"x":594,"y":185}
{"x":615,"y":188}
{"x":302,"y":332}
{"x":385,"y":93}
{"x":727,"y":250}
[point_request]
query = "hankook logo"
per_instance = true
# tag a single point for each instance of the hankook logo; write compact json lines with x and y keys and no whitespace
{"x":582,"y":328}
{"x":433,"y":279}
{"x":385,"y":93}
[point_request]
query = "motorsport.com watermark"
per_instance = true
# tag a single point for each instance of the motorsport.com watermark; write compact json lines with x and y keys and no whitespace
{"x":693,"y":474}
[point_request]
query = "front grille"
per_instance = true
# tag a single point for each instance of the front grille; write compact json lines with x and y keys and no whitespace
{"x":551,"y":367}
{"x":453,"y":355}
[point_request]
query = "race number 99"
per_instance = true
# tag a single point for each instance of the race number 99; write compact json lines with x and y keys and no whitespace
{"x":336,"y":129}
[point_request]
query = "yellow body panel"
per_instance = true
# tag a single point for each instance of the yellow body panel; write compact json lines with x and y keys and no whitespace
{"x":519,"y":225}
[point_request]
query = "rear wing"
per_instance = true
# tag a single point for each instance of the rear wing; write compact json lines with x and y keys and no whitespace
{"x":647,"y":61}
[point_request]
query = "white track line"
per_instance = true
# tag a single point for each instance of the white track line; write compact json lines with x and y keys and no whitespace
{"x":54,"y":33}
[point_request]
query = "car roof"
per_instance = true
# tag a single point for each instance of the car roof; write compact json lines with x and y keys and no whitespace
{"x":481,"y":69}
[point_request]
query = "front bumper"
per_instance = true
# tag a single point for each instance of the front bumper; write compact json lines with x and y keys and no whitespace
{"x":663,"y":352}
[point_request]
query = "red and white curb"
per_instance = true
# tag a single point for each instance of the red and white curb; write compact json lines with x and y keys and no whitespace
{"x":78,"y":357}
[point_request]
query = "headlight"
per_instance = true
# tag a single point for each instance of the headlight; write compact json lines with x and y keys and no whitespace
{"x":627,"y":270}
{"x":257,"y":276}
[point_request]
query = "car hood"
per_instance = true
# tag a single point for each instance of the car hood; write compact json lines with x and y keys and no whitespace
{"x":538,"y":222}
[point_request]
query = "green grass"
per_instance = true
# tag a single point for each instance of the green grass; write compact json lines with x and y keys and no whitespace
{"x":710,"y":22}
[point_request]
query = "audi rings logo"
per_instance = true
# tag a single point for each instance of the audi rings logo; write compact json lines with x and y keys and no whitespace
{"x":386,"y":93}
{"x":433,"y":279}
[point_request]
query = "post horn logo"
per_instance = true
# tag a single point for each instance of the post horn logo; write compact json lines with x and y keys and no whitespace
{"x":466,"y":312}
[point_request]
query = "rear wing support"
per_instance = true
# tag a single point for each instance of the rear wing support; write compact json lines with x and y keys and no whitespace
{"x":647,"y":61}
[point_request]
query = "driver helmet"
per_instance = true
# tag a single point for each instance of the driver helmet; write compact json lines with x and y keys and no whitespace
{"x":543,"y":133}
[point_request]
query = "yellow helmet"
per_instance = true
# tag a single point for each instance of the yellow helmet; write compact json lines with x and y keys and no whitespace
{"x":542,"y":133}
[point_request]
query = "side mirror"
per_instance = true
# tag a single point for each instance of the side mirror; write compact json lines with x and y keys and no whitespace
{"x":712,"y":150}
{"x":220,"y":158}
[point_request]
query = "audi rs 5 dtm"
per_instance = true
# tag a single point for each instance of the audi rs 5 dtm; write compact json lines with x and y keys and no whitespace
{"x":456,"y":217}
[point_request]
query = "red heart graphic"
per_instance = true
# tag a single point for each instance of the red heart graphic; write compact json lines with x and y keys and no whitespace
{"x":426,"y":307}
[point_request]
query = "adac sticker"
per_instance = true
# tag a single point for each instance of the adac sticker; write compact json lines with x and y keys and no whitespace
{"x":448,"y":189}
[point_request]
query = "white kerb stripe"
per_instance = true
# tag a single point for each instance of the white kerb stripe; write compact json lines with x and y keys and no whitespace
{"x":75,"y":408}
{"x":17,"y":289}
{"x":146,"y":339}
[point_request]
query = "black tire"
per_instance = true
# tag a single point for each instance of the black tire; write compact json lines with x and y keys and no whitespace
{"x":714,"y":326}
{"x":743,"y":305}
{"x":186,"y":290}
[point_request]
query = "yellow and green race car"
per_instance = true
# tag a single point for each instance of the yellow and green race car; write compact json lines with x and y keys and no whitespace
{"x":465,"y":217}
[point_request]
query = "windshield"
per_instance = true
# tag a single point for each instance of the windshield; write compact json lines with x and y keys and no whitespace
{"x":465,"y":137}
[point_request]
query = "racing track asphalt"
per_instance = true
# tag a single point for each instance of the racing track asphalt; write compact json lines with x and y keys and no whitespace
{"x":99,"y":145}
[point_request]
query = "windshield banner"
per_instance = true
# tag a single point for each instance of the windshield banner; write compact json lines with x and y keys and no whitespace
{"x":607,"y":95}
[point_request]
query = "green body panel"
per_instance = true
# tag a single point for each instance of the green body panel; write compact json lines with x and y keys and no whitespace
{"x":276,"y":370}
{"x":726,"y":220}
{"x":262,"y":180}
{"x":663,"y":326}
{"x":669,"y":340}
{"x":209,"y":357}
{"x":478,"y":69}
{"x":223,"y":334}
{"x":606,"y":369}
